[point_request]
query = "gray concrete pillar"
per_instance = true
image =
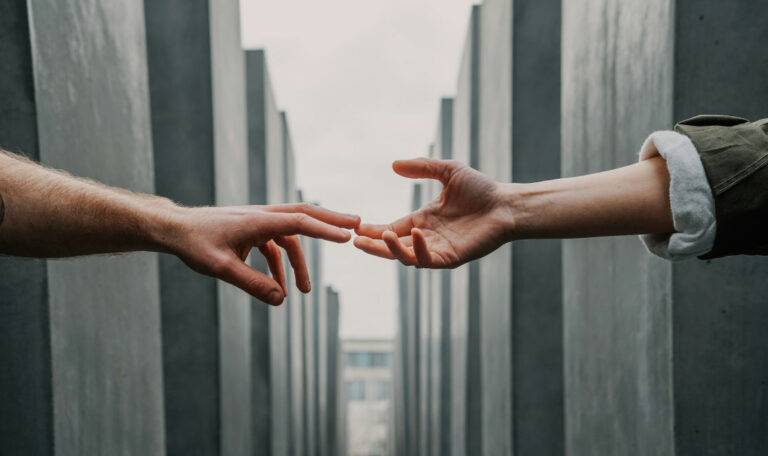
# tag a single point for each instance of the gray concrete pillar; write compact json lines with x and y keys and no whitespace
{"x":294,"y":306}
{"x":331,"y":421}
{"x":180,"y":79}
{"x":232,"y":188}
{"x":400,"y":388}
{"x":26,"y":413}
{"x":521,"y":284}
{"x":317,"y":296}
{"x":270,"y":337}
{"x":440,"y":310}
{"x":660,"y":358}
{"x":85,"y":375}
{"x":415,"y":348}
{"x":322,"y":367}
{"x":310,"y":341}
{"x":425,"y":341}
{"x":495,"y":146}
{"x":466,"y":404}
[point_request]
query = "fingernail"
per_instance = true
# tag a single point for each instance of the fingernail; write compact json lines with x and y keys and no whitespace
{"x":275,"y":298}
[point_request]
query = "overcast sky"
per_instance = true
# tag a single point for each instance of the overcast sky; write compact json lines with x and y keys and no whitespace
{"x":361,"y":81}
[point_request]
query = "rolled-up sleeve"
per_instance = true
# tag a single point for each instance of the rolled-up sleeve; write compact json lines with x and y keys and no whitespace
{"x":734,"y":154}
{"x":691,"y":199}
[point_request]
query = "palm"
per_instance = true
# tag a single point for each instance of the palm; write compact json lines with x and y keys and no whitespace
{"x":447,"y":232}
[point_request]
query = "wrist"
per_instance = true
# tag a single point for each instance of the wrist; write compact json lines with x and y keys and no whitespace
{"x":508,"y":210}
{"x":162,"y":225}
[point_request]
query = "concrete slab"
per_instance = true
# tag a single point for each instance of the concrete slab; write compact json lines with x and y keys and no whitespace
{"x":495,"y":148}
{"x":629,"y":388}
{"x":178,"y":47}
{"x":26,"y":420}
{"x":310,"y":341}
{"x":322,"y":361}
{"x":270,"y":338}
{"x":104,"y":312}
{"x":521,"y":283}
{"x":537,"y":328}
{"x":440,"y":312}
{"x":466,"y":405}
{"x":232,"y":188}
{"x":331,"y":421}
{"x":425,"y":339}
{"x":316,"y":335}
{"x":400,"y":389}
{"x":294,"y":306}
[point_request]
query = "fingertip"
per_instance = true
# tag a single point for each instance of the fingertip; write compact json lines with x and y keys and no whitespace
{"x":275,"y":298}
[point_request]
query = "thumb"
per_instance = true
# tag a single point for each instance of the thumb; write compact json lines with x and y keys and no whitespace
{"x":426,"y":168}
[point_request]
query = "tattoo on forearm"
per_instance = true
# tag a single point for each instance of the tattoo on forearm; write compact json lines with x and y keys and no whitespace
{"x":2,"y":209}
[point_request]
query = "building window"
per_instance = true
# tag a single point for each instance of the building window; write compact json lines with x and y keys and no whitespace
{"x":368,"y":359}
{"x":356,"y":390}
{"x":381,"y":390}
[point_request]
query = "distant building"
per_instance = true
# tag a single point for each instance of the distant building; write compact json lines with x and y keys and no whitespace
{"x":368,"y":396}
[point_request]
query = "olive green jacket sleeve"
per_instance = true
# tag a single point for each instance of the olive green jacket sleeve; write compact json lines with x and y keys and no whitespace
{"x":734,"y":153}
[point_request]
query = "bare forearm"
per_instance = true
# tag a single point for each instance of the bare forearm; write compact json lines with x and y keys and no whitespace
{"x":52,"y":214}
{"x":629,"y":200}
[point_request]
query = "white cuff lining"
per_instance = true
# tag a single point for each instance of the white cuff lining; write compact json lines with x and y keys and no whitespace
{"x":693,"y":206}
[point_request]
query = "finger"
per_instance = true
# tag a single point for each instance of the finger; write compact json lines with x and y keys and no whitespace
{"x":421,"y":249}
{"x":292,"y":247}
{"x":292,"y":224}
{"x":426,"y":168}
{"x":274,"y":257}
{"x":401,"y":227}
{"x":348,"y":221}
{"x":251,"y":281}
{"x":374,"y":247}
{"x":401,"y":253}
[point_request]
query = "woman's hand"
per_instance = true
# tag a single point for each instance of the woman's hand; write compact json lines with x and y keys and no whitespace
{"x":466,"y":222}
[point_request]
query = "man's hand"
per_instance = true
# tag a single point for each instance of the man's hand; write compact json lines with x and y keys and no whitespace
{"x":50,"y":214}
{"x":467,"y":220}
{"x":217,"y":240}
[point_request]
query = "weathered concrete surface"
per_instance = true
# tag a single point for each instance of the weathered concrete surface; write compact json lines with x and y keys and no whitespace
{"x":413,"y":347}
{"x":466,"y":405}
{"x":331,"y":421}
{"x":617,"y":330}
{"x":270,"y":337}
{"x":660,"y":358}
{"x":180,"y":81}
{"x":294,"y":303}
{"x":495,"y":149}
{"x":26,"y":410}
{"x":315,"y":335}
{"x":521,"y":283}
{"x":425,"y":340}
{"x":310,"y":344}
{"x":719,"y":312}
{"x":232,"y":188}
{"x":440,"y":311}
{"x":104,"y":312}
{"x":321,"y":415}
{"x":400,"y":389}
